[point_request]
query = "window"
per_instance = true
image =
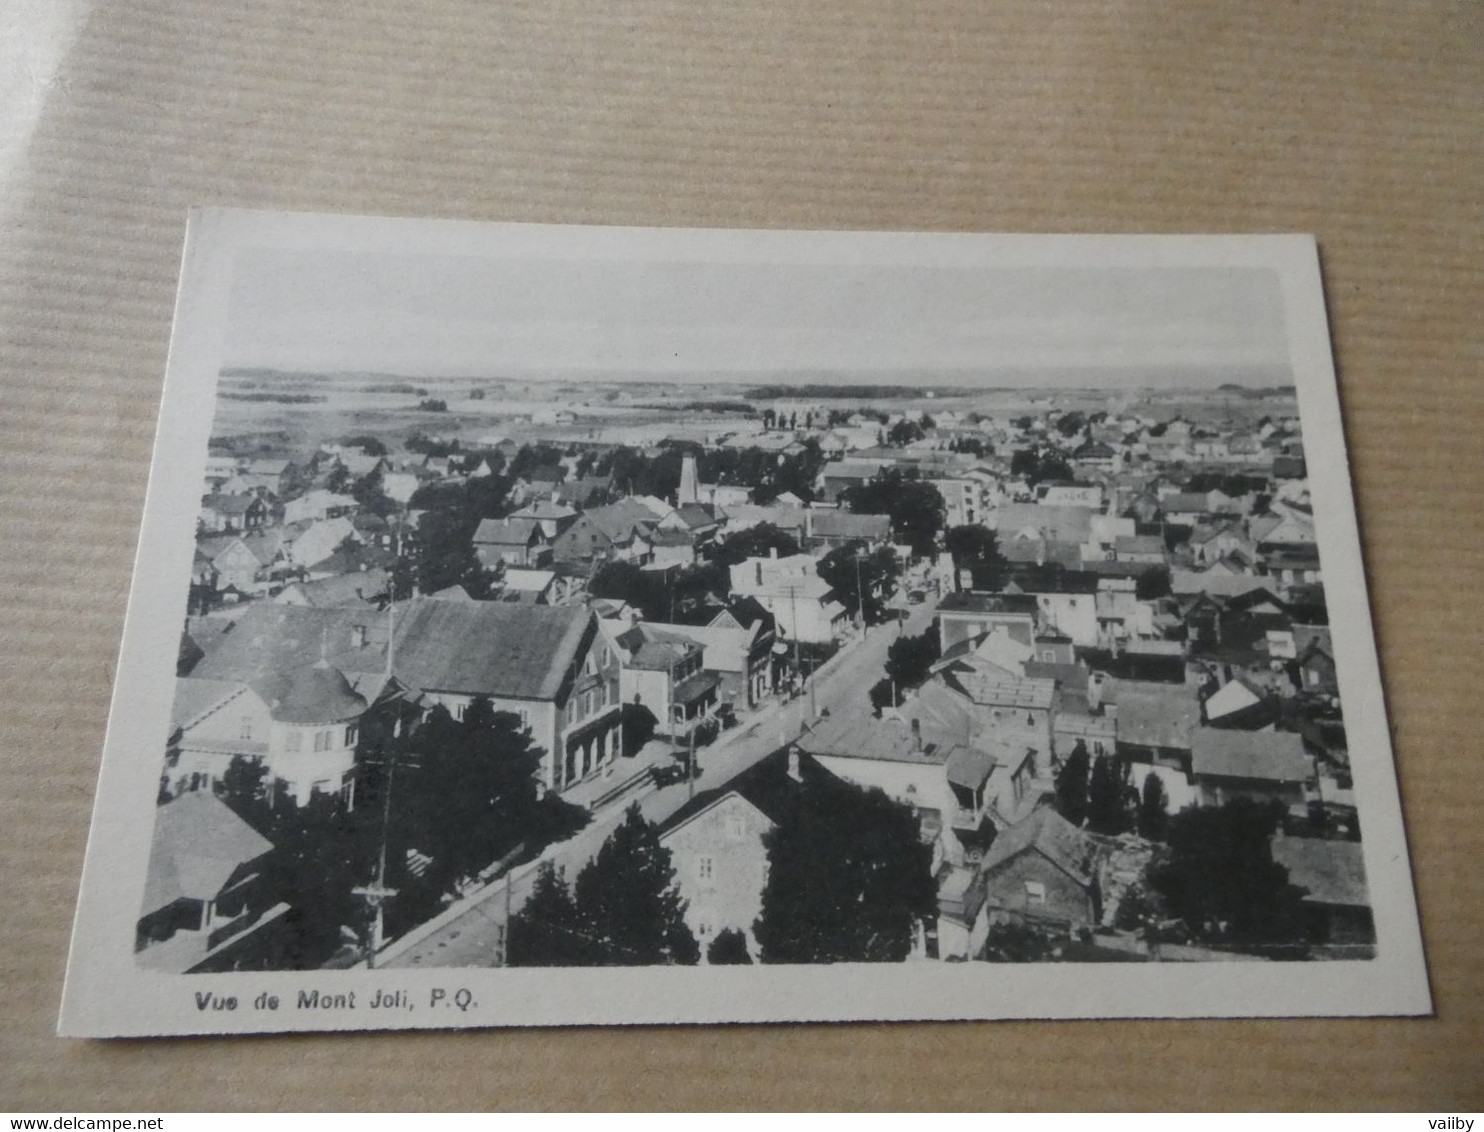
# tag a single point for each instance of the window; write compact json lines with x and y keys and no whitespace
{"x":322,"y":740}
{"x":525,"y":716}
{"x":1035,"y":892}
{"x":292,"y":739}
{"x":244,"y":727}
{"x":736,"y":826}
{"x":705,"y":867}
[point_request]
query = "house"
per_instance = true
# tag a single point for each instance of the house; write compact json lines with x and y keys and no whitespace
{"x":1313,"y":669}
{"x":1154,"y":723}
{"x":553,"y":517}
{"x":1140,"y":548}
{"x":718,"y":842}
{"x":317,"y":505}
{"x":990,"y":708}
{"x":1087,"y":496}
{"x":1261,"y":765}
{"x":310,"y":544}
{"x":1066,"y":601}
{"x":549,"y":665}
{"x":1335,"y":900}
{"x":968,"y":497}
{"x":741,"y":658}
{"x":827,"y":528}
{"x":223,"y":513}
{"x":616,"y":532}
{"x":905,"y":759}
{"x":969,"y":616}
{"x":361,"y":590}
{"x":301,"y":725}
{"x":538,"y":587}
{"x":802,"y":603}
{"x":663,"y":671}
{"x":1044,"y":522}
{"x":240,"y":562}
{"x":1095,"y":456}
{"x":205,"y":908}
{"x":1239,"y":704}
{"x":400,"y":487}
{"x":724,"y":496}
{"x":513,"y":542}
{"x":1042,"y":872}
{"x":839,"y":476}
{"x":359,"y":464}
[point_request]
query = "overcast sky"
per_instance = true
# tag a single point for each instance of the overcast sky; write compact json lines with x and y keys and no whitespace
{"x":465,"y":316}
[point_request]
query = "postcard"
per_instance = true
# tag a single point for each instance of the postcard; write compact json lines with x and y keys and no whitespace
{"x":540,"y":625}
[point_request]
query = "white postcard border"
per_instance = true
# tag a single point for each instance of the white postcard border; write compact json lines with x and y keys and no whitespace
{"x":108,"y":995}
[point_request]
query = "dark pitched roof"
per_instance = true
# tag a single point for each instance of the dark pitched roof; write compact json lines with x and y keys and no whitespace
{"x":506,"y":532}
{"x":1053,"y":837}
{"x":489,"y":648}
{"x":198,"y":844}
{"x":967,"y":602}
{"x":269,"y":638}
{"x":317,"y":694}
{"x":1329,"y":872}
{"x":766,"y":784}
{"x":1272,"y":756}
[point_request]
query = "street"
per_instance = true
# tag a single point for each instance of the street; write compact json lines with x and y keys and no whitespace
{"x":466,"y":936}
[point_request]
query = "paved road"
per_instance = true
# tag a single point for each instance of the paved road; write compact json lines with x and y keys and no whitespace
{"x":467,"y":938}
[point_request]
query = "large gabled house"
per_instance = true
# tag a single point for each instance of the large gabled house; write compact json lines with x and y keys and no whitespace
{"x":620,"y":531}
{"x":514,"y":542}
{"x":549,"y":665}
{"x":545,"y":664}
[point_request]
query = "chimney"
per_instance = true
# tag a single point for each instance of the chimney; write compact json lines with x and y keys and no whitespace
{"x":917,"y":734}
{"x":758,"y":568}
{"x":793,"y":764}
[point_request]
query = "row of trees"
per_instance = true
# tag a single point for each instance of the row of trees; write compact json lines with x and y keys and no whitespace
{"x":1099,"y":793}
{"x":848,"y":880}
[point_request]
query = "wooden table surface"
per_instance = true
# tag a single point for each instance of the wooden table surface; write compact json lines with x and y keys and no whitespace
{"x":1360,"y":122}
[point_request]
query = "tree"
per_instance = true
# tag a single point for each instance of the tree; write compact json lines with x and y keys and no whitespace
{"x":914,"y":507}
{"x":547,"y":931}
{"x":1154,"y":809}
{"x":1219,"y":875}
{"x":1037,"y":466}
{"x":769,"y":419}
{"x":244,"y":787}
{"x":729,"y":948}
{"x":366,"y":443}
{"x":472,"y":795}
{"x":904,"y":432}
{"x":973,"y":547}
{"x":1107,"y":796}
{"x":627,"y":900}
{"x":849,"y":879}
{"x":755,"y":542}
{"x":863,"y":580}
{"x":1072,"y":785}
{"x":910,"y":659}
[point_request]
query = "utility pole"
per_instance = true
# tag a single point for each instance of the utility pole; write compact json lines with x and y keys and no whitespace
{"x":860,"y":598}
{"x":377,"y":894}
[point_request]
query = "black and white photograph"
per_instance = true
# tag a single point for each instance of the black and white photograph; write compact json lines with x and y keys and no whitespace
{"x":600,"y":626}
